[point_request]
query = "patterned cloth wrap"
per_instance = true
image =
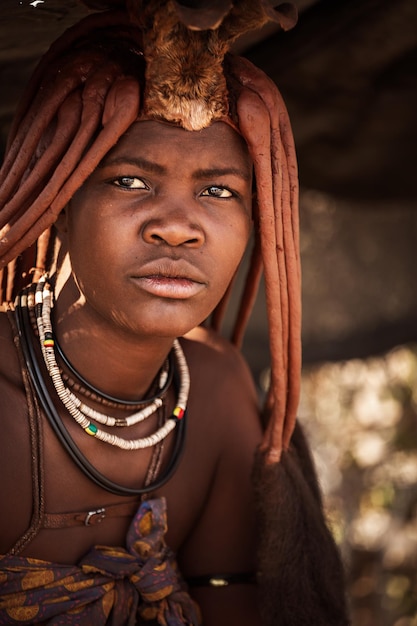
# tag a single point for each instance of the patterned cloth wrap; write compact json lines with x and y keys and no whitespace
{"x":112,"y":586}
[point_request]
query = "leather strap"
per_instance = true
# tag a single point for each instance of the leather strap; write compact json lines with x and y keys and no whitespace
{"x":89,"y":518}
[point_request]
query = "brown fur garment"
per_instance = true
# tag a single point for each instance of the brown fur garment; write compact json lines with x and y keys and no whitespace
{"x":301,"y":577}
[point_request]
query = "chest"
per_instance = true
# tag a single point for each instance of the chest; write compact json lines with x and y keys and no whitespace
{"x":40,"y":473}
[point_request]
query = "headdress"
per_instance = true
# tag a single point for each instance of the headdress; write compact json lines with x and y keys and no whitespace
{"x":88,"y":90}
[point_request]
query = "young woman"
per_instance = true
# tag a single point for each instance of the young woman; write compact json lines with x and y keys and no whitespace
{"x":129,"y":428}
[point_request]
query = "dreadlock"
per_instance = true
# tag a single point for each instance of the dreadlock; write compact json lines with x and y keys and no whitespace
{"x":84,"y":95}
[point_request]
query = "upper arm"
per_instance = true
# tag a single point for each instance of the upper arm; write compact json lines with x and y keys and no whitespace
{"x":15,"y":460}
{"x":223,"y":540}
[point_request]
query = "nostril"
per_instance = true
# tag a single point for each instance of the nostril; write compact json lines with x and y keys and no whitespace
{"x":172,"y":233}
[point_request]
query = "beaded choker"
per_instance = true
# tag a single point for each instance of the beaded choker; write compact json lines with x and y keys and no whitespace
{"x":88,"y":390}
{"x":41,"y":301}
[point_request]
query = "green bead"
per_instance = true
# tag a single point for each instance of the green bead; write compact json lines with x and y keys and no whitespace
{"x":91,"y":429}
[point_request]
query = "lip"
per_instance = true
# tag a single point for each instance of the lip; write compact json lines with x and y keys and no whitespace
{"x":169,"y":280}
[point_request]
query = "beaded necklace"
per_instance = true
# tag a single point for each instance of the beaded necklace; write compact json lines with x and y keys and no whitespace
{"x":80,"y":385}
{"x":23,"y":319}
{"x":80,"y":412}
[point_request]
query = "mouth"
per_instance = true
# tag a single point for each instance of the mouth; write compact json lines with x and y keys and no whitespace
{"x":170,"y":282}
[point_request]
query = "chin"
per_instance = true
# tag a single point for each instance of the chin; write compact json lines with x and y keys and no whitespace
{"x":158,"y":327}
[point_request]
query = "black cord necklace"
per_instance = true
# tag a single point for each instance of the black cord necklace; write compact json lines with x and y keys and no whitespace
{"x":23,"y":322}
{"x":111,"y":399}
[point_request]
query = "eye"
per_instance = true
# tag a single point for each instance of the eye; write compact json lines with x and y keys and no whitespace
{"x":217,"y":192}
{"x":129,"y":182}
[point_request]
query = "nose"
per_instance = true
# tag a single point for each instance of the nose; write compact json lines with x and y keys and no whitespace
{"x":173,"y":228}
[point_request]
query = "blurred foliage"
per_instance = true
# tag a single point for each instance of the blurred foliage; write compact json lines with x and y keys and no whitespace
{"x":361,"y":419}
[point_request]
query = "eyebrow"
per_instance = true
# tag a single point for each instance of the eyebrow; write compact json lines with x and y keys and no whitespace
{"x":156,"y":168}
{"x":139,"y":162}
{"x":218,"y":171}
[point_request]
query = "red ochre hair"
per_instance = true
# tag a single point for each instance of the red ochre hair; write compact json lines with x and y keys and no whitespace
{"x":84,"y":95}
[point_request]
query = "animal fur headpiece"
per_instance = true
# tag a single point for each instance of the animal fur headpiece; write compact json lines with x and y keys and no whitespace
{"x":160,"y":59}
{"x":184,"y":48}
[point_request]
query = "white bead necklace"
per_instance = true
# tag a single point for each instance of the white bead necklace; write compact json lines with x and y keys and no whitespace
{"x":83,"y":414}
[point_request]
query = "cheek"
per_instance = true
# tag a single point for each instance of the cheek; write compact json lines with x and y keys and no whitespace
{"x":238,"y":239}
{"x":91,"y":234}
{"x":231,"y":249}
{"x":91,"y":252}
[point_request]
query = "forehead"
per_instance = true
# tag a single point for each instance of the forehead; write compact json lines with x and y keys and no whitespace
{"x":166,"y":142}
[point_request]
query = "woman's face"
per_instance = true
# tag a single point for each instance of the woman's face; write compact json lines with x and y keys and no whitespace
{"x":158,"y":230}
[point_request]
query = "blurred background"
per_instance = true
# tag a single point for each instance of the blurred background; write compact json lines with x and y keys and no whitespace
{"x":348,"y":73}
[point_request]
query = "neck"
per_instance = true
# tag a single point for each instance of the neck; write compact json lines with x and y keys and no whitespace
{"x":118,"y":362}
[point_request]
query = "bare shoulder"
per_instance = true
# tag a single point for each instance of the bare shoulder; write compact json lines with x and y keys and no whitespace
{"x":217,"y":359}
{"x":222,"y":389}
